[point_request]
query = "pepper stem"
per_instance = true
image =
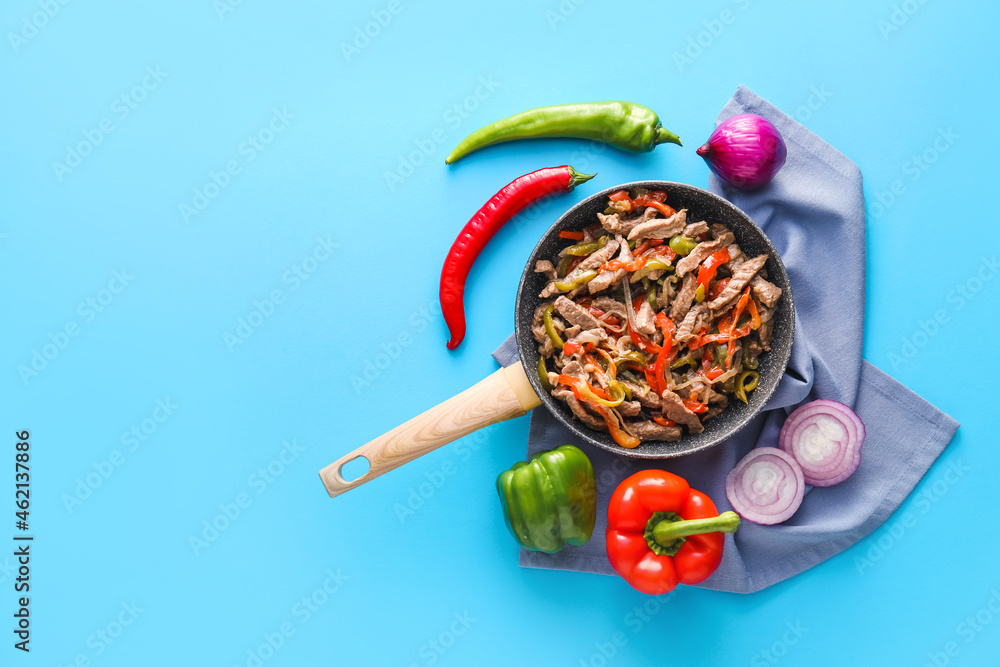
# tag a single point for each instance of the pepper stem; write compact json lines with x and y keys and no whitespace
{"x":666,"y":531}
{"x":663,"y":135}
{"x":576,"y":178}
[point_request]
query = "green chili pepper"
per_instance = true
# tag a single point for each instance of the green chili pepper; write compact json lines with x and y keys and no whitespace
{"x":699,"y":294}
{"x":584,"y":249}
{"x":633,"y":356}
{"x":550,"y":328}
{"x":682,"y":245}
{"x":626,"y":125}
{"x":543,"y":374}
{"x":651,"y":265}
{"x":683,"y":361}
{"x":575,"y":280}
{"x":651,"y":296}
{"x":743,"y":386}
{"x":729,"y":386}
{"x":720,"y":355}
{"x":563,"y":267}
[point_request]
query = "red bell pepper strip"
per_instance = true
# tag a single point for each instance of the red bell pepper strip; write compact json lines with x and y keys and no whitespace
{"x":662,"y":208}
{"x":695,"y":406}
{"x":661,"y":532}
{"x":666,"y":355}
{"x":715,"y":290}
{"x":663,"y":421}
{"x":651,"y":196}
{"x":623,"y":438}
{"x":571,"y":348}
{"x":710,"y":266}
{"x":483,"y":225}
{"x":622,"y":196}
{"x":572,"y":236}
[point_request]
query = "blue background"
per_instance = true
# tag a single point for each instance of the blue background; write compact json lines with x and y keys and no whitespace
{"x":433,"y":579}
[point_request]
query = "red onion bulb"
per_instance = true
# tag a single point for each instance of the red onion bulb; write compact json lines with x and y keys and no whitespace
{"x":745,"y":151}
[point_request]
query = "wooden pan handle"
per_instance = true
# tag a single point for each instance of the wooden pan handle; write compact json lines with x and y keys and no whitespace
{"x":503,"y":395}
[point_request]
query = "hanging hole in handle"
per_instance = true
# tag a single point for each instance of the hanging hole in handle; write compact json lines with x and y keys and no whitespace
{"x":355,"y":469}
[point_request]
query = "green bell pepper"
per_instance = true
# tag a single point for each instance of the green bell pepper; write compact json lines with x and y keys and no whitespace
{"x":550,"y":500}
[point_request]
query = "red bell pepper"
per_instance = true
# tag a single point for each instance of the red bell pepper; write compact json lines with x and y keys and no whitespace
{"x":662,"y":208}
{"x":661,"y":532}
{"x":652,"y":195}
{"x":711,"y":265}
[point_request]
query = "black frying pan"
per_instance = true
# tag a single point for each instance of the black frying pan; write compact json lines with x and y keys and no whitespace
{"x":512,"y":391}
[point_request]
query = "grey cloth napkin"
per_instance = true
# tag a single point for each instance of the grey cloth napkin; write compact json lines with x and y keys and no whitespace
{"x":814,"y":213}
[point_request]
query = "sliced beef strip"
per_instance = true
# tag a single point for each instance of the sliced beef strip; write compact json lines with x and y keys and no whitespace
{"x":546,"y":267}
{"x":698,"y":255}
{"x":766,"y":292}
{"x":713,"y":411}
{"x":629,"y":408}
{"x":650,"y":430}
{"x":645,"y":319}
{"x":550,"y":289}
{"x":594,"y":260}
{"x":608,"y":278}
{"x":684,"y":299}
{"x":646,"y":398}
{"x":572,"y":331}
{"x":766,"y":332}
{"x":721,"y":233}
{"x":608,"y":305}
{"x":617,"y":224}
{"x":538,"y":325}
{"x":575,"y":369}
{"x":741,"y":276}
{"x":696,"y":229}
{"x":593,"y":421}
{"x":576,"y":314}
{"x":674,"y":410}
{"x":660,"y":228}
{"x":696,"y":319}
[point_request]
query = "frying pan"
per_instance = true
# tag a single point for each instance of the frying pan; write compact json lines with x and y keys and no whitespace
{"x":512,"y":391}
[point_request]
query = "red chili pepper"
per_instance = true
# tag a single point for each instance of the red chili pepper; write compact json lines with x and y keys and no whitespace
{"x":662,"y":208}
{"x":708,"y":269}
{"x":572,"y":236}
{"x":661,"y":532}
{"x":663,"y":421}
{"x":483,"y":225}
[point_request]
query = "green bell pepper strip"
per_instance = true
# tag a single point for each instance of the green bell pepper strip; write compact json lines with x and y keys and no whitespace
{"x":682,"y":245}
{"x":550,"y":500}
{"x":683,"y":361}
{"x":563,"y":267}
{"x":576,"y":279}
{"x":650,"y":266}
{"x":742,"y":386}
{"x":584,"y":249}
{"x":543,"y":374}
{"x":625,"y":125}
{"x":550,"y":328}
